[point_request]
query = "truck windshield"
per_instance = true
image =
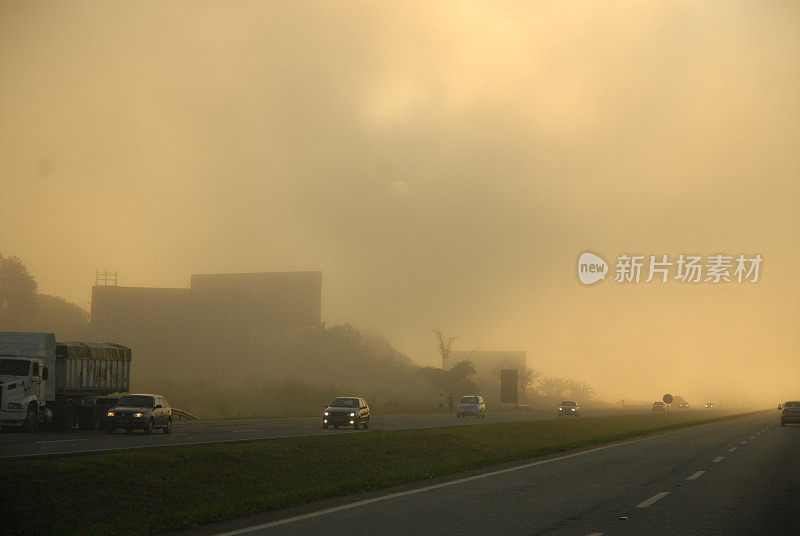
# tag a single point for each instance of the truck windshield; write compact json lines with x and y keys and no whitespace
{"x":14,"y":367}
{"x":136,"y":401}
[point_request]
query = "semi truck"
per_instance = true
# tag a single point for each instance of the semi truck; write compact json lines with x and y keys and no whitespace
{"x":44,"y":382}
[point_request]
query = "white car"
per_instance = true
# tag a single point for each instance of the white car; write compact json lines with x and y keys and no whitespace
{"x":471,"y":405}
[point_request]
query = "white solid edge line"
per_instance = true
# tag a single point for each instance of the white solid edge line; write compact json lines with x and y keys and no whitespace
{"x":60,"y":441}
{"x":123,"y":448}
{"x":435,"y":486}
{"x":651,"y":500}
{"x":718,"y":459}
{"x":697,"y":475}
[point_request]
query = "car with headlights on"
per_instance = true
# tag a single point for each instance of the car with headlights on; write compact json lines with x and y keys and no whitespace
{"x":471,"y":405}
{"x":569,"y":408}
{"x":346,"y":411}
{"x":790,"y":414}
{"x":140,"y":411}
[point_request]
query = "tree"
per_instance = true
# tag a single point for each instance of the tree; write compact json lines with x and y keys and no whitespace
{"x":579,"y":390}
{"x":445,"y":346}
{"x":23,"y":309}
{"x":455,"y":380}
{"x":58,"y":315}
{"x":553,"y":387}
{"x":18,"y":306}
{"x":527,"y":377}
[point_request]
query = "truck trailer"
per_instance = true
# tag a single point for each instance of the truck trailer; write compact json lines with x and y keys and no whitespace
{"x":66,"y":383}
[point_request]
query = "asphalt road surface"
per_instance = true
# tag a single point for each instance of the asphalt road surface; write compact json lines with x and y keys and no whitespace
{"x":740,"y":476}
{"x":14,"y":444}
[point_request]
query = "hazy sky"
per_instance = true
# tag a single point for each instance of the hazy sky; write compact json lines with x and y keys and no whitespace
{"x":443,"y":164}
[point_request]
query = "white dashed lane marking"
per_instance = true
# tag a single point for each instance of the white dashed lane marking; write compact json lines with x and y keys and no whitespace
{"x":695,"y":476}
{"x":653,"y":499}
{"x":718,"y":459}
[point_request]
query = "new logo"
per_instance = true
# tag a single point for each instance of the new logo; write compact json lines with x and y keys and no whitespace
{"x":591,"y":268}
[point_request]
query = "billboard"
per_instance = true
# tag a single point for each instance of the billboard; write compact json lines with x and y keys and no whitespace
{"x":509,"y":380}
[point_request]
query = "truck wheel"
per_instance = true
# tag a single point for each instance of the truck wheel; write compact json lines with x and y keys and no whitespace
{"x":32,"y":418}
{"x":366,"y":424}
{"x":148,"y":427}
{"x":168,"y":427}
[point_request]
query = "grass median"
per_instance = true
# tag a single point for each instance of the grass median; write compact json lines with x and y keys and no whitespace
{"x":154,"y":490}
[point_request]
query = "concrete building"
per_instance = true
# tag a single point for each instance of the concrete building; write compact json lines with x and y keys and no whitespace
{"x":181,"y":327}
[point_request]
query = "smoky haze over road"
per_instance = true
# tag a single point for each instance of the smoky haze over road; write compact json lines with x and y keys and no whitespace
{"x":443,"y":165}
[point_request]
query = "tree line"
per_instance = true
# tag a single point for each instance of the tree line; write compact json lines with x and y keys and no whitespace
{"x":24,"y":308}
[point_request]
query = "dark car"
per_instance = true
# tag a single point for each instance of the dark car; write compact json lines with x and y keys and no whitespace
{"x":790,"y":413}
{"x":144,"y":411}
{"x":569,"y":408}
{"x":346,"y":411}
{"x":659,"y":407}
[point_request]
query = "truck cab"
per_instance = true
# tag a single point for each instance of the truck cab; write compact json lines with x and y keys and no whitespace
{"x":22,"y":387}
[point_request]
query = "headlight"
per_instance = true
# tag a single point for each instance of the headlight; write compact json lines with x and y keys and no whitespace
{"x":14,"y":405}
{"x":326,"y":413}
{"x":352,"y":414}
{"x":110,"y":414}
{"x":573,"y":409}
{"x":137,"y":414}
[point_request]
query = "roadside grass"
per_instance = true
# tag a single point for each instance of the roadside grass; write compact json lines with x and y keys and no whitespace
{"x":149,"y":491}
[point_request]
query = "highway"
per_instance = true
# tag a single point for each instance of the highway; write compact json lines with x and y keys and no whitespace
{"x":16,"y":444}
{"x":739,"y":476}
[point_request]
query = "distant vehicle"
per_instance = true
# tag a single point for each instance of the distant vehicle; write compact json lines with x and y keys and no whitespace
{"x":346,"y":411}
{"x":569,"y":408}
{"x":710,"y":405}
{"x":790,"y":414}
{"x":43,"y":381}
{"x":684,"y":404}
{"x":659,"y":407}
{"x":140,"y":411}
{"x":471,"y":405}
